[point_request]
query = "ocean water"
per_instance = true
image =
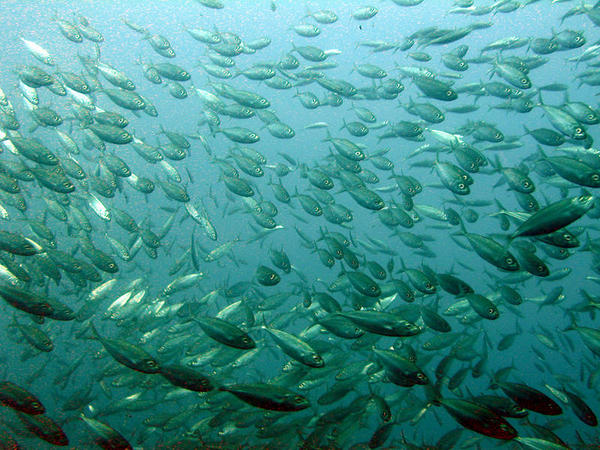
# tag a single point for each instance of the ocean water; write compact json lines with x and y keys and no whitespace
{"x":146,"y":409}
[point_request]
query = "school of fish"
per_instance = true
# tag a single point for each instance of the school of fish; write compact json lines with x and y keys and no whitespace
{"x":400,"y":253}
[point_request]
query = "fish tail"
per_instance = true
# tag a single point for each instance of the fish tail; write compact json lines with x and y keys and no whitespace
{"x":95,"y":334}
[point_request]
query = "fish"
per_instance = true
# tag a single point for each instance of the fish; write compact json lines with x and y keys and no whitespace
{"x":129,"y":355}
{"x":479,"y":418}
{"x":267,"y":396}
{"x":530,"y":398}
{"x":45,"y":428}
{"x":19,"y":399}
{"x":345,"y":215}
{"x":226,"y":333}
{"x":105,"y":435}
{"x":555,"y":216}
{"x":295,"y":347}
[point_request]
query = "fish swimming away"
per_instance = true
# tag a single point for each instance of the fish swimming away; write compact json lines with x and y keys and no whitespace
{"x":262,"y":224}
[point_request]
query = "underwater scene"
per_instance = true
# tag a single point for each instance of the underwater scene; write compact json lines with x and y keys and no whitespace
{"x":290,"y":224}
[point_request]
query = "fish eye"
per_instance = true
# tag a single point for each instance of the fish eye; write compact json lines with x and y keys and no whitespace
{"x":540,"y":268}
{"x":595,"y":177}
{"x":449,"y":93}
{"x":461,"y":186}
{"x":578,"y":130}
{"x":525,"y":183}
{"x":428,"y":285}
{"x":509,"y":260}
{"x":524,"y":81}
{"x":421,"y":376}
{"x":567,"y":237}
{"x":298,"y":399}
{"x":590,"y":116}
{"x":491,"y":311}
{"x":151,"y":363}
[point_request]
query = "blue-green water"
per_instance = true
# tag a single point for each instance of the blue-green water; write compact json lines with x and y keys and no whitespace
{"x":150,"y":412}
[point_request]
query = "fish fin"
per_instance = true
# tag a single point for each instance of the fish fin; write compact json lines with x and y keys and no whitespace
{"x":92,"y":328}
